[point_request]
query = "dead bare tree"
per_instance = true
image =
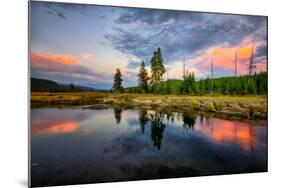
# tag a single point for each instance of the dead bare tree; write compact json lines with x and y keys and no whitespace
{"x":167,"y":72}
{"x":235,"y":62}
{"x":252,"y":66}
{"x":184,"y":68}
{"x":212,"y":75}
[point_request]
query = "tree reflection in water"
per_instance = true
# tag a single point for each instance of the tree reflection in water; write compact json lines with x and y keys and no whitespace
{"x":188,"y":121}
{"x":156,"y":120}
{"x":170,"y":116}
{"x":218,"y":130}
{"x":118,"y":114}
{"x":143,"y":120}
{"x":157,"y":128}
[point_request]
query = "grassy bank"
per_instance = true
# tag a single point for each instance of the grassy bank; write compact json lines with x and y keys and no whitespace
{"x":249,"y":107}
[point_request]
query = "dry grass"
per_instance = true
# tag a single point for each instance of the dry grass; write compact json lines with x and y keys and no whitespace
{"x":243,"y":106}
{"x":248,"y":107}
{"x":41,"y":97}
{"x":44,"y":96}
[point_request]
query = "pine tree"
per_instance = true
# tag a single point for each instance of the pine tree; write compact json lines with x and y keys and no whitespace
{"x":117,"y":85}
{"x":143,"y":78}
{"x":201,"y":87}
{"x":157,"y":67}
{"x":189,"y":84}
{"x":193,"y":83}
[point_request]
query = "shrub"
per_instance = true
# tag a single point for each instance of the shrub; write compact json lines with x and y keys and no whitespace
{"x":194,"y":104}
{"x":209,"y":107}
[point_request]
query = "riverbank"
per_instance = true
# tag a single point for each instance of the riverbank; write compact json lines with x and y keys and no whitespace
{"x":247,"y":107}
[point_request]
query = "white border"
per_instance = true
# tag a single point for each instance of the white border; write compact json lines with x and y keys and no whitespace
{"x":14,"y":95}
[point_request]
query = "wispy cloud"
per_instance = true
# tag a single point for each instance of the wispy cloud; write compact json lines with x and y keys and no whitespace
{"x":181,"y":34}
{"x":60,"y":63}
{"x":66,"y":68}
{"x":54,"y":9}
{"x":54,"y":58}
{"x":223,"y":58}
{"x":60,"y":9}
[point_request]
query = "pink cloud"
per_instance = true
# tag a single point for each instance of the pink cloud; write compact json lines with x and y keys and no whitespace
{"x":224,"y":57}
{"x":54,"y":58}
{"x":61,"y":63}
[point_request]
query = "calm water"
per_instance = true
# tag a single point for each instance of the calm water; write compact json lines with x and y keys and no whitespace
{"x":70,"y":146}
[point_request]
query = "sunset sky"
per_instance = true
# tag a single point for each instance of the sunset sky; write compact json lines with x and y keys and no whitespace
{"x":84,"y":44}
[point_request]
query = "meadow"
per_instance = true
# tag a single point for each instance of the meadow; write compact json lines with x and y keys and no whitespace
{"x":246,"y":107}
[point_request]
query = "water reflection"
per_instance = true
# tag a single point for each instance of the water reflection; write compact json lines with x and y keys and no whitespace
{"x":222,"y":131}
{"x":118,"y":114}
{"x":188,"y":121}
{"x":66,"y":127}
{"x":217,"y":130}
{"x":143,"y":119}
{"x":157,"y":128}
{"x":75,"y":145}
{"x":56,"y":122}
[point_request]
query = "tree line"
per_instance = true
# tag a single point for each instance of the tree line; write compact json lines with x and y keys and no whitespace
{"x":239,"y":85}
{"x":231,"y":85}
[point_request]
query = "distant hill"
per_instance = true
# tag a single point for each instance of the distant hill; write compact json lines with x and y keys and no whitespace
{"x":43,"y":85}
{"x":38,"y":84}
{"x":81,"y":88}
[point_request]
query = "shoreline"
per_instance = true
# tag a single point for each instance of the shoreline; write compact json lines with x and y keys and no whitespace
{"x":246,"y":107}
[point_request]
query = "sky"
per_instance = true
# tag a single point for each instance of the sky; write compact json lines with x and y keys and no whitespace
{"x":85,"y":44}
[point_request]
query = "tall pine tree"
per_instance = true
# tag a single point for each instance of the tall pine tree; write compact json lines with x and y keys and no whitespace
{"x":117,"y":85}
{"x":157,"y":67}
{"x":143,"y":78}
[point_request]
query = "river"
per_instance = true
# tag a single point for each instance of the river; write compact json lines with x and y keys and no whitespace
{"x":71,"y":146}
